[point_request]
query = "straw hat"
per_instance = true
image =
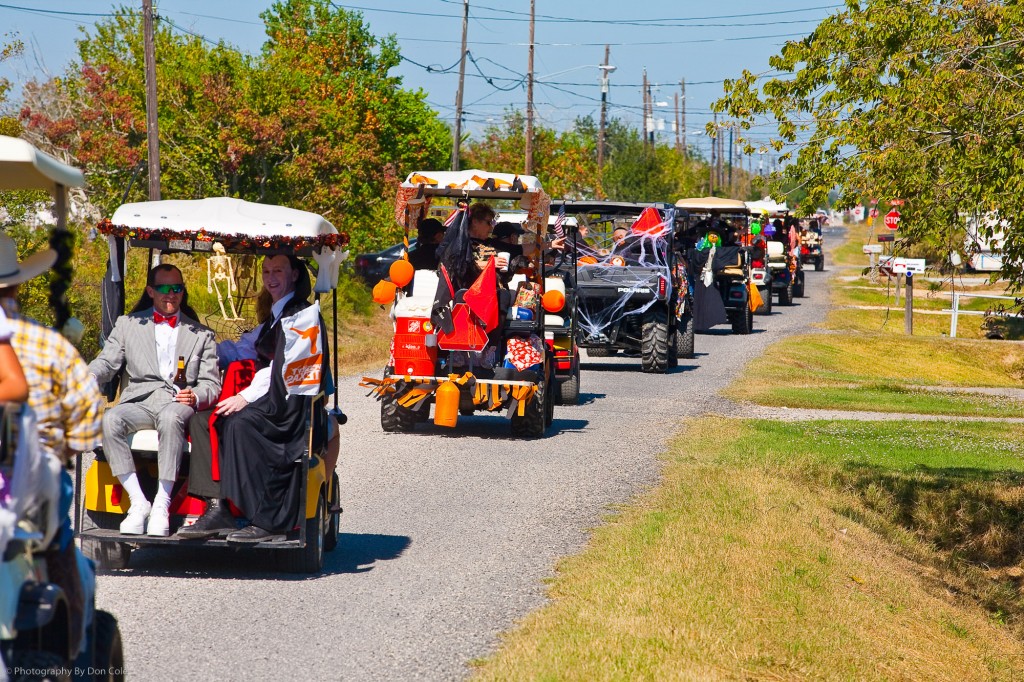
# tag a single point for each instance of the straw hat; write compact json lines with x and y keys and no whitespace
{"x":13,"y":271}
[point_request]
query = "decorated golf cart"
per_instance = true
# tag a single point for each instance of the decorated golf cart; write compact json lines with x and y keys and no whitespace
{"x":724,"y":291}
{"x":37,"y":637}
{"x":467,"y":347}
{"x":206,"y":228}
{"x":630,"y":288}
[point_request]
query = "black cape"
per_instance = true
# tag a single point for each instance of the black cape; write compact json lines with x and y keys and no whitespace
{"x":260,"y":446}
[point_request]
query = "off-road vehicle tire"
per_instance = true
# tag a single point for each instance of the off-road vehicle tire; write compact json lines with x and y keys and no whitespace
{"x":786,"y":295}
{"x":819,"y":264}
{"x":103,"y":657}
{"x":742,"y":321}
{"x":394,"y":418}
{"x":333,"y":518}
{"x":798,"y":284}
{"x":536,"y":415}
{"x":684,"y":338}
{"x":654,"y":341}
{"x":766,"y":305}
{"x":309,"y":559}
{"x":602,"y":352}
{"x":569,"y":390}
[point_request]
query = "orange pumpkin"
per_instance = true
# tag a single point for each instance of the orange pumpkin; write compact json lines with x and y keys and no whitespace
{"x":384,"y":292}
{"x":401,"y":272}
{"x":553,"y":301}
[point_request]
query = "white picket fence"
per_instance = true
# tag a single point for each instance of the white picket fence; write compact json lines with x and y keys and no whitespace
{"x":956,"y":312}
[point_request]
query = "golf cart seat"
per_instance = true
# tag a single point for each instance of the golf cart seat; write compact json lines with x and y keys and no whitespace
{"x":144,"y":442}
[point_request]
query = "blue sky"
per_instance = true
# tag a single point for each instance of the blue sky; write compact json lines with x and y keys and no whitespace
{"x":703,"y":42}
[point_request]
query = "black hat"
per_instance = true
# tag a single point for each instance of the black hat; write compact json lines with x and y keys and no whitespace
{"x":507,"y":229}
{"x":429,"y":228}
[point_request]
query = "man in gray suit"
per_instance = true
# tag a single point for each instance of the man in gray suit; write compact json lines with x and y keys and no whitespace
{"x":147,"y":343}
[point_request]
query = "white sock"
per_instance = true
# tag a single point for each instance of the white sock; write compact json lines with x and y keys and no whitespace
{"x":163,"y":493}
{"x":130,"y":483}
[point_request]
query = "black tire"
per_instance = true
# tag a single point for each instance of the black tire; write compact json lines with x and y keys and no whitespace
{"x":104,"y":654}
{"x":819,"y":264}
{"x":602,"y":352}
{"x":742,"y":321}
{"x":394,"y":418}
{"x":38,"y":666}
{"x":310,"y":559}
{"x":333,"y":518}
{"x":798,"y":285}
{"x":569,"y":390}
{"x":766,"y":297}
{"x":109,"y":556}
{"x":536,"y":416}
{"x":786,"y":295}
{"x":654,"y":341}
{"x":684,"y":338}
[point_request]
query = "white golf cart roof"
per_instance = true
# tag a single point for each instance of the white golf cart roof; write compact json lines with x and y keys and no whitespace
{"x":222,"y":216}
{"x":22,"y":166}
{"x":766,"y":204}
{"x":712,"y":204}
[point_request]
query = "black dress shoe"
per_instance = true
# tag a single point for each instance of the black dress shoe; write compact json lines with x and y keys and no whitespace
{"x":216,"y":520}
{"x":253,"y":534}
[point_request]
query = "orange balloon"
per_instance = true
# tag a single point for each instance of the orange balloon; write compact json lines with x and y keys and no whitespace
{"x":553,"y":301}
{"x":401,"y":272}
{"x":384,"y":292}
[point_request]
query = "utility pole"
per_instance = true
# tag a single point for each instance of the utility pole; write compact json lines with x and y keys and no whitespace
{"x":529,"y":96}
{"x":679,"y":145}
{"x":714,"y":140}
{"x":682,"y":112}
{"x":458,"y":95}
{"x":645,"y":106}
{"x":604,"y":108}
{"x":731,"y":147}
{"x":152,"y":135}
{"x":650,"y":110}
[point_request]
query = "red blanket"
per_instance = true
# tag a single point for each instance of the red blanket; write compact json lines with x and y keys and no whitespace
{"x":237,"y":377}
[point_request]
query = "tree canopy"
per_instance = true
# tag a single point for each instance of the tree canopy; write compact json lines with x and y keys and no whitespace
{"x":919,"y":100}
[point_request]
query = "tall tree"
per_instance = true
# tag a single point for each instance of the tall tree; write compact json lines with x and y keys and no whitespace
{"x":920,"y":100}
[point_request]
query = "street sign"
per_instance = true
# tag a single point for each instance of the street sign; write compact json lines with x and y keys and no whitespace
{"x":874,"y":213}
{"x":902,"y":266}
{"x":885,"y":238}
{"x":896,"y":202}
{"x":872,"y":248}
{"x":892,"y":219}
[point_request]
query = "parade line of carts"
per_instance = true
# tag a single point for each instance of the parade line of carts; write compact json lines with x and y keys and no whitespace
{"x":610,"y":277}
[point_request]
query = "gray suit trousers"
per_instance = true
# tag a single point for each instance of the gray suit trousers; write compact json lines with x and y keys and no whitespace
{"x":170,"y":419}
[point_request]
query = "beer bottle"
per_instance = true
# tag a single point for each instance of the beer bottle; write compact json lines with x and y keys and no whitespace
{"x":179,"y":379}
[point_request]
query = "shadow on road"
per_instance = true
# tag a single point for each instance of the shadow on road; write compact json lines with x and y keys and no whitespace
{"x":355,"y":553}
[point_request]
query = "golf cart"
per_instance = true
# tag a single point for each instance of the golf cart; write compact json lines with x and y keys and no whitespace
{"x":37,"y":640}
{"x":195,"y":227}
{"x":719,"y":262}
{"x":631,"y":292}
{"x":478,"y":349}
{"x":812,"y":247}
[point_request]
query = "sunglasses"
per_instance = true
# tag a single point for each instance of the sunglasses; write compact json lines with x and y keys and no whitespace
{"x":169,"y":288}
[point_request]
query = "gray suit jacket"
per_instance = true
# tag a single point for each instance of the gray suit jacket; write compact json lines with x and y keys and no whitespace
{"x":132,"y":344}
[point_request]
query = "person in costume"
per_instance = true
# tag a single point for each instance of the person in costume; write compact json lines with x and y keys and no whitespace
{"x":148,"y":343}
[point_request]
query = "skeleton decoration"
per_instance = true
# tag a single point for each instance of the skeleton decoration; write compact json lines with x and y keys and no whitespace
{"x":219,"y":270}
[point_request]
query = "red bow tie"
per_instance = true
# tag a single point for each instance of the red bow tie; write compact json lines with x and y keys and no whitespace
{"x":172,"y":321}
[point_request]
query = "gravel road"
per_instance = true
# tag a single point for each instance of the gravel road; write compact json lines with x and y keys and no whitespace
{"x":447,"y":536}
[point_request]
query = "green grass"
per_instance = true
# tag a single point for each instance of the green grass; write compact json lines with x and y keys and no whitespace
{"x":749,"y":562}
{"x":888,"y":398}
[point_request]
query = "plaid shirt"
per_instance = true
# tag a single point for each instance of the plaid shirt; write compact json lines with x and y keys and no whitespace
{"x":63,"y":394}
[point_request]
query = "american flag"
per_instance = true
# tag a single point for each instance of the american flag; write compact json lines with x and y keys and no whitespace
{"x":559,"y":221}
{"x":450,"y":220}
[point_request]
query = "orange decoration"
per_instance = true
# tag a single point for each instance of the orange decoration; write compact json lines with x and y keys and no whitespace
{"x":384,"y":292}
{"x":401,"y":272}
{"x":553,"y":301}
{"x":588,"y":260}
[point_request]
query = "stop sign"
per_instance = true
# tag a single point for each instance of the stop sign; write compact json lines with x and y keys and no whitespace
{"x":892,"y":219}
